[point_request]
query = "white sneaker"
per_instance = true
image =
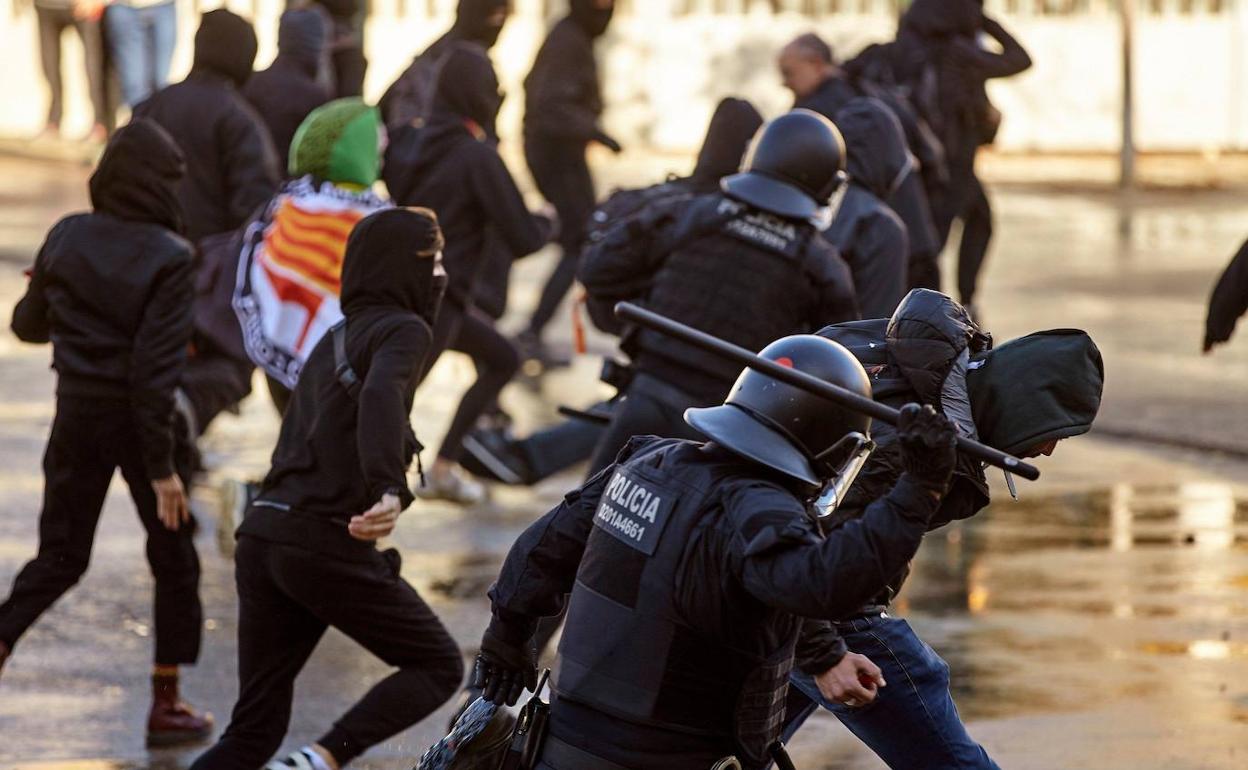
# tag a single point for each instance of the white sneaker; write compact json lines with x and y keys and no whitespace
{"x":453,"y":487}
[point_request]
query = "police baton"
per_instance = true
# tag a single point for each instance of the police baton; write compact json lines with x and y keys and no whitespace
{"x":626,"y":311}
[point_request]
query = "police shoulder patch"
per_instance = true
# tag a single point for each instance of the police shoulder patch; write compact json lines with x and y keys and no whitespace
{"x":635,"y":510}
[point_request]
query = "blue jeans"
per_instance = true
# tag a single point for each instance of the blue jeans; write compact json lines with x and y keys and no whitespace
{"x":141,"y":42}
{"x":912,"y":723}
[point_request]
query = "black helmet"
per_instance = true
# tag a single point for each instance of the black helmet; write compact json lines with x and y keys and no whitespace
{"x":793,"y":166}
{"x":789,"y":429}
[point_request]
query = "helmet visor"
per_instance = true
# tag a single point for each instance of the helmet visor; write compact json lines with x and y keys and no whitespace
{"x":844,"y":460}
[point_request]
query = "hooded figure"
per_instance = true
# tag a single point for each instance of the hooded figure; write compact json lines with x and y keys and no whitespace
{"x":138,"y":175}
{"x":733,"y":124}
{"x":869,"y":235}
{"x":409,"y":99}
{"x":340,"y":142}
{"x":288,"y":90}
{"x":231,"y":167}
{"x":394,"y":261}
{"x":592,"y":16}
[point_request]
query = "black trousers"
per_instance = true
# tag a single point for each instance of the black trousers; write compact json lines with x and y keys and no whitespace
{"x":214,"y":381}
{"x":52,"y":24}
{"x":471,"y":331}
{"x":651,"y":407}
{"x":562,"y":176}
{"x":965,"y":199}
{"x":287,"y":598}
{"x":92,"y":438}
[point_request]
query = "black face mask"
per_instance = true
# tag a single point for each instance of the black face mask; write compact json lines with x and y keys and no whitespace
{"x":392,"y":262}
{"x":472,"y":21}
{"x":591,"y":19}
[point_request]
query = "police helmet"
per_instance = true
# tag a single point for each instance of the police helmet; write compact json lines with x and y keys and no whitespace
{"x":788,"y":429}
{"x":793,"y":167}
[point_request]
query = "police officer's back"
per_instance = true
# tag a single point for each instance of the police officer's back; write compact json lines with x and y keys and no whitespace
{"x":690,"y":565}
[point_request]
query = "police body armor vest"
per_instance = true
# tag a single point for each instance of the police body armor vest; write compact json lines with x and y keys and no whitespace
{"x":741,"y":275}
{"x":625,"y":650}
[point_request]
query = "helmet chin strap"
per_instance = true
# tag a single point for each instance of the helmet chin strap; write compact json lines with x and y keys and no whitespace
{"x":822,"y":219}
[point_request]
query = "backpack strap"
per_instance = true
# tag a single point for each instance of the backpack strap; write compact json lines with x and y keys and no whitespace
{"x":342,"y":365}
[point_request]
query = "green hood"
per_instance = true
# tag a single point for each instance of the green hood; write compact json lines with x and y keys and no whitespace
{"x":1036,"y":388}
{"x":339,"y":142}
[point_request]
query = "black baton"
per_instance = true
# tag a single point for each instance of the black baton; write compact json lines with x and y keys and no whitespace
{"x":626,"y":311}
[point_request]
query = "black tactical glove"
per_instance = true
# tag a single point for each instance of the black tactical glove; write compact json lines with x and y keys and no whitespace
{"x":928,"y":446}
{"x":503,"y":671}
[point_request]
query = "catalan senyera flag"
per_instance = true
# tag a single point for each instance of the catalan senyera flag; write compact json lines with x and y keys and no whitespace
{"x":290,"y":270}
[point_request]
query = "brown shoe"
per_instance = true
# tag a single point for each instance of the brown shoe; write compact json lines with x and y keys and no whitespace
{"x":172,"y":721}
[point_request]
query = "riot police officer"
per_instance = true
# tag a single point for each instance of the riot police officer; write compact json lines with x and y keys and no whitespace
{"x":690,"y":565}
{"x":745,"y":264}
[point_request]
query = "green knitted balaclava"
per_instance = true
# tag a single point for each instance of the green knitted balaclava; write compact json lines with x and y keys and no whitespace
{"x":339,"y":142}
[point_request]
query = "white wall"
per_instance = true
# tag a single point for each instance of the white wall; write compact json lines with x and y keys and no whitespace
{"x":664,"y":75}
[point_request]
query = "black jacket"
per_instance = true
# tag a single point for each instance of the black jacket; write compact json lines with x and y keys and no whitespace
{"x":339,"y":452}
{"x":458,"y":173}
{"x":725,"y":268}
{"x":1229,"y":300}
{"x":288,"y":90}
{"x":562,"y":97}
{"x":112,"y":289}
{"x":868,"y":234}
{"x":232,"y":167}
{"x":754,"y":564}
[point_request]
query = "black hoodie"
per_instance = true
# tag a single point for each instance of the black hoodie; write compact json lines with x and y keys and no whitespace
{"x":563,"y":98}
{"x":112,"y":289}
{"x":869,"y":235}
{"x":231,"y":166}
{"x":338,"y":453}
{"x":288,"y":90}
{"x":456,"y":171}
{"x":410,"y":97}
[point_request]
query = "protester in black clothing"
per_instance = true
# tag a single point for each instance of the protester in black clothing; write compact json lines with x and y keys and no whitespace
{"x":690,"y":566}
{"x":307,"y":556}
{"x":746,"y":265}
{"x":563,"y":104}
{"x":288,"y":90}
{"x":819,"y":83}
{"x":112,"y":290}
{"x":459,"y":174}
{"x":939,"y":54}
{"x":1228,"y":302}
{"x":492,"y":451}
{"x":346,"y":62}
{"x":230,"y":162}
{"x":867,"y":233}
{"x":409,"y":98}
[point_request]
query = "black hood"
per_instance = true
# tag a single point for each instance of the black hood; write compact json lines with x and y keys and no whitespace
{"x":876,"y":143}
{"x":733,"y":125}
{"x":592,"y":20}
{"x":943,"y":18}
{"x":225,"y":44}
{"x":467,"y":87}
{"x":1036,"y":389}
{"x":137,"y":179}
{"x":471,"y":21}
{"x":301,"y":38}
{"x":394,"y":261}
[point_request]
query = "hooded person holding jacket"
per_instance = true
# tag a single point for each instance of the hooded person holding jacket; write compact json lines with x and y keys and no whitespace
{"x":869,"y":235}
{"x":285,"y":93}
{"x":111,"y":289}
{"x":562,"y":109}
{"x":231,"y":166}
{"x":458,"y":173}
{"x":307,"y":556}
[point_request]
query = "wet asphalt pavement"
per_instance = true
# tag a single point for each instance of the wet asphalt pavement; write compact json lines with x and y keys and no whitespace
{"x":1101,"y":622}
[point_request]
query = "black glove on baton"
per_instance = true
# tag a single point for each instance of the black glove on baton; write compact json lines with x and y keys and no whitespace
{"x":502,"y":671}
{"x":928,"y":446}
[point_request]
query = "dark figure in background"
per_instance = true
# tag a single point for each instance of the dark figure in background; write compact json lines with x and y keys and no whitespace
{"x":409,"y":99}
{"x":112,"y":290}
{"x":819,"y":83}
{"x":867,"y":233}
{"x":691,"y":566}
{"x":939,"y":54}
{"x":307,"y":557}
{"x":492,"y":451}
{"x":563,"y":104}
{"x":746,"y":265}
{"x":285,"y":93}
{"x":54,"y":17}
{"x":458,"y":173}
{"x":346,"y":61}
{"x":231,"y":167}
{"x":1229,"y":301}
